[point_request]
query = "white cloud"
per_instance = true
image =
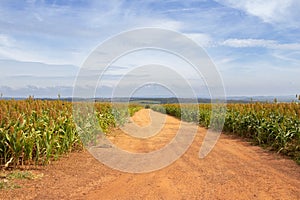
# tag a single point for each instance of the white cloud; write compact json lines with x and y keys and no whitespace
{"x":248,"y":43}
{"x":223,"y":61}
{"x":178,"y":10}
{"x":270,"y":44}
{"x":288,"y":46}
{"x":202,"y":39}
{"x":66,"y":34}
{"x":26,"y":54}
{"x":284,"y":12}
{"x":291,"y":57}
{"x":6,"y":41}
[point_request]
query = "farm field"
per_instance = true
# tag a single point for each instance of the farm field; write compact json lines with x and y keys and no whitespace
{"x":233,"y":170}
{"x":34,"y":132}
{"x":275,"y":126}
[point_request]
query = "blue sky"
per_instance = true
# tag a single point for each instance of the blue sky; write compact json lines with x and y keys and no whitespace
{"x":255,"y":44}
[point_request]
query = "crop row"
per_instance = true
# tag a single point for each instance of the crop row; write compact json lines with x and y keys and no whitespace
{"x":275,"y":126}
{"x":36,"y":131}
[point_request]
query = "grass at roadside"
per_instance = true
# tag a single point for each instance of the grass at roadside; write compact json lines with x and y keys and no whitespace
{"x":8,"y":178}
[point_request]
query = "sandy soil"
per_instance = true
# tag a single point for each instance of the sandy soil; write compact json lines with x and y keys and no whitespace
{"x":233,"y":170}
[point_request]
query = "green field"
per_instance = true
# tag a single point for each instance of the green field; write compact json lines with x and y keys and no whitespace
{"x":38,"y":131}
{"x":275,"y":126}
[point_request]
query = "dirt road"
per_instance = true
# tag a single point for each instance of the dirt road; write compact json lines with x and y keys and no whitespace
{"x":233,"y":170}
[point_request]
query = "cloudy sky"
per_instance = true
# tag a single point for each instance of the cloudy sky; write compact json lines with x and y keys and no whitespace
{"x":255,"y":44}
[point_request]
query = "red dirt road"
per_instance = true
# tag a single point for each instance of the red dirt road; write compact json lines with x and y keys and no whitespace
{"x":233,"y":170}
